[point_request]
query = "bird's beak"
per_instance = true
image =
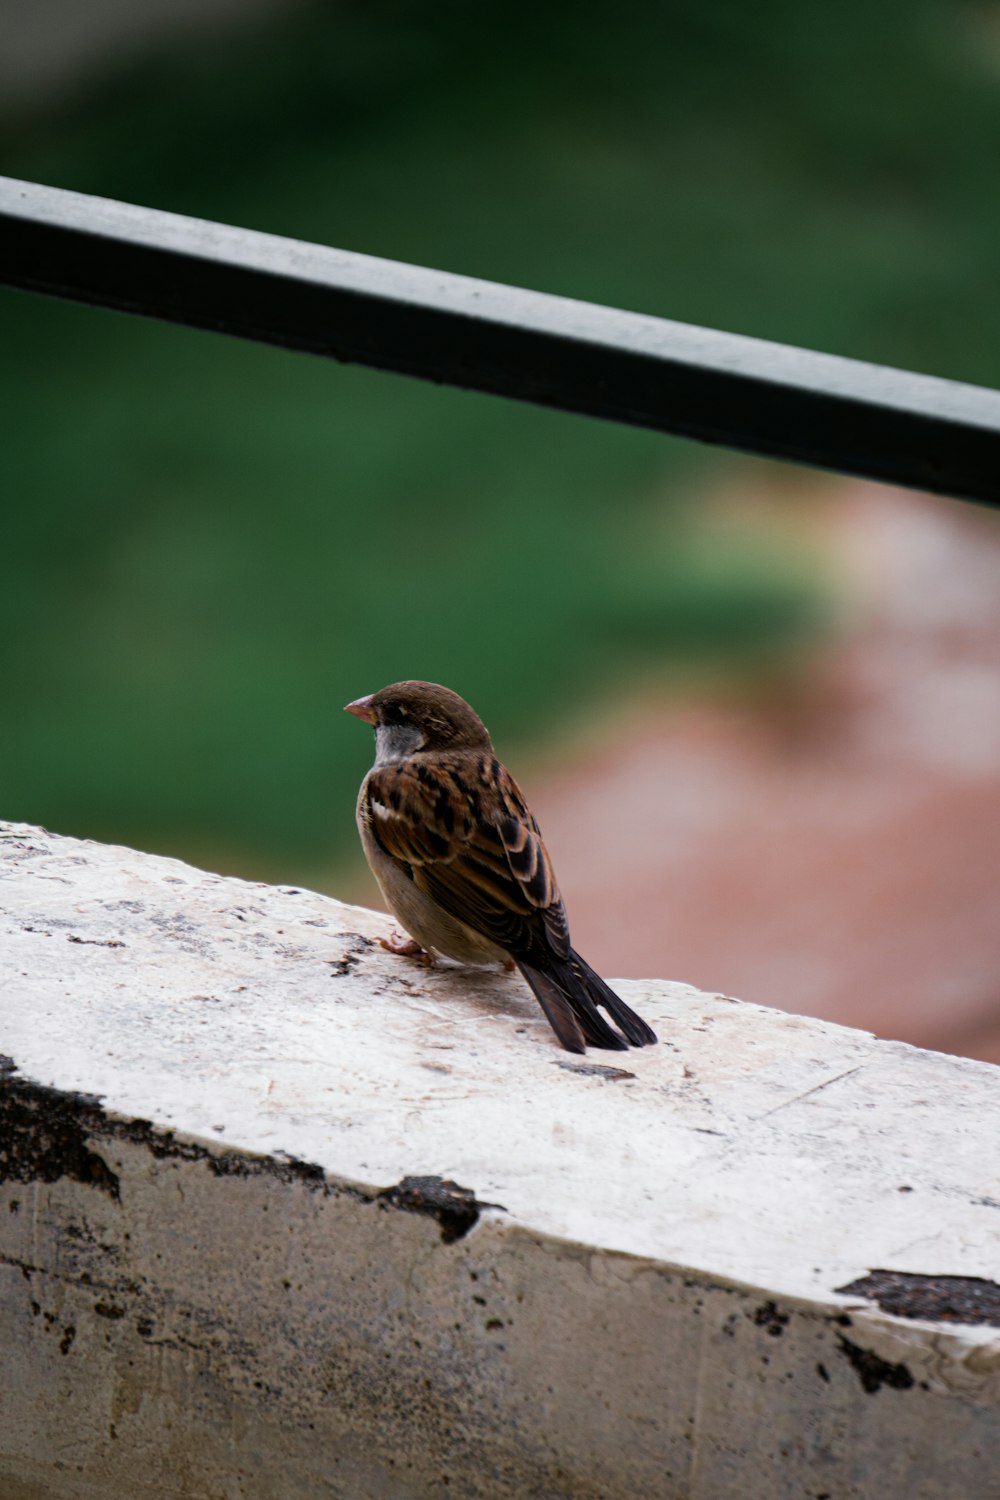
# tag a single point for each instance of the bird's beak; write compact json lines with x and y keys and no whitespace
{"x":362,"y":709}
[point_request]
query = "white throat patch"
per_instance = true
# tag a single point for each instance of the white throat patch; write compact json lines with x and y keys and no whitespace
{"x":395,"y":742}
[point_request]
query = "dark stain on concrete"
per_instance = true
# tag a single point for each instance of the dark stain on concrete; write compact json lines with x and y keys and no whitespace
{"x":767,"y":1316}
{"x":44,"y":1134}
{"x":873,"y":1371}
{"x":455,"y":1208}
{"x":167,"y":1145}
{"x":358,"y":946}
{"x":110,"y":1310}
{"x":941,"y":1299}
{"x":595,"y":1070}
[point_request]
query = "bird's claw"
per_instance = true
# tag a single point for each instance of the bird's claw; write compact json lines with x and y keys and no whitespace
{"x":407,"y":948}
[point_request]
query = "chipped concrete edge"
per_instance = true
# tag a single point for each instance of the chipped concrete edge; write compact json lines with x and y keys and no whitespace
{"x":58,"y":1142}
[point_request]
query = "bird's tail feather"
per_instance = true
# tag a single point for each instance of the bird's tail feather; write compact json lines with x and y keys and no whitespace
{"x":633,"y":1027}
{"x":569,"y":992}
{"x":559,"y":1011}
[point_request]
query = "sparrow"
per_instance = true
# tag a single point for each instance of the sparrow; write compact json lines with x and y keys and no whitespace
{"x":461,"y":863}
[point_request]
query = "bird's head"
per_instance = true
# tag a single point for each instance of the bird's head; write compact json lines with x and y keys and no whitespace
{"x":412,"y":716}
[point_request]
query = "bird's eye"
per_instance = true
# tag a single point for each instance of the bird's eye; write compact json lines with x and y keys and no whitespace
{"x":393,"y":713}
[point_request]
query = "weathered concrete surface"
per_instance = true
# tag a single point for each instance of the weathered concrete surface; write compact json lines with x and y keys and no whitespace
{"x":205,"y":1290}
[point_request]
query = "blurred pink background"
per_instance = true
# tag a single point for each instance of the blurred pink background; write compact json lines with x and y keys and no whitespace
{"x":835,"y":851}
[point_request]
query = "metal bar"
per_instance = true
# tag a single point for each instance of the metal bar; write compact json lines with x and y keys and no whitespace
{"x":723,"y":388}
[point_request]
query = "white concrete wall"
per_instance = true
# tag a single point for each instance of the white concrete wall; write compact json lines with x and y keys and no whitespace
{"x":212,"y":1285}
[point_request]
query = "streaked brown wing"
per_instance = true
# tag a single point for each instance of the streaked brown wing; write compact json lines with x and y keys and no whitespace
{"x":463,"y":831}
{"x":529,"y":861}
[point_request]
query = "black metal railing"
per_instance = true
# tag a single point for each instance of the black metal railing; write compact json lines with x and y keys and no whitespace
{"x":745,"y":393}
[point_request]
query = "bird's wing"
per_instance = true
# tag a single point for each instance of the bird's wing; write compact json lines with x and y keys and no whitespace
{"x":462,"y":831}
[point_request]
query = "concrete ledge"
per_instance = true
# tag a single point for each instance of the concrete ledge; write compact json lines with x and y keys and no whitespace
{"x":284,"y":1216}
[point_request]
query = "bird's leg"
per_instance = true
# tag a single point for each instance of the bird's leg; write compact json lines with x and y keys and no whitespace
{"x":405,"y":947}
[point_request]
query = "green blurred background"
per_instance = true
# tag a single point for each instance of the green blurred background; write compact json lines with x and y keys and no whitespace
{"x":208,"y":547}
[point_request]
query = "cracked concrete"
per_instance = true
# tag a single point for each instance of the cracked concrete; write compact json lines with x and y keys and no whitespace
{"x":283,"y":1215}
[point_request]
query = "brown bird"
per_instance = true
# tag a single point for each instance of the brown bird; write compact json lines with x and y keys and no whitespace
{"x":461,"y":863}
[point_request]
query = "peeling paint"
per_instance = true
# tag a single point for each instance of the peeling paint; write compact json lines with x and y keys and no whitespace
{"x":941,"y":1299}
